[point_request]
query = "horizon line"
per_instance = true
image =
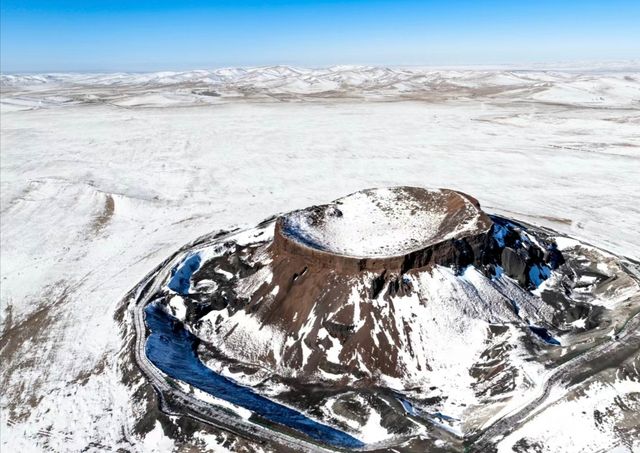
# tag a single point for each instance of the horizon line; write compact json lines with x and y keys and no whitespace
{"x":600,"y":64}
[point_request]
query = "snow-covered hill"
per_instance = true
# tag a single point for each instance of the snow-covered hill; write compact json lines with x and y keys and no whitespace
{"x":618,"y":89}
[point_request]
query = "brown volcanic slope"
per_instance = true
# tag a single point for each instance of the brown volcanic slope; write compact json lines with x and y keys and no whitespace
{"x":321,"y":303}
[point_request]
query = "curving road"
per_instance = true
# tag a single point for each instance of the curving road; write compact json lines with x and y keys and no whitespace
{"x":628,"y":339}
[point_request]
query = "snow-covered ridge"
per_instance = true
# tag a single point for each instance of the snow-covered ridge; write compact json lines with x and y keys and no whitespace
{"x":615,"y":86}
{"x":340,"y":74}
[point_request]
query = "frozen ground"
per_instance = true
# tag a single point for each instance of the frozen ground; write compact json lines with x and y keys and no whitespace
{"x":102,"y":177}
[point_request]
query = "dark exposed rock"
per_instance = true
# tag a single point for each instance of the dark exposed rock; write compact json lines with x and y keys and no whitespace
{"x":340,"y":331}
{"x":514,"y":264}
{"x":378,"y":285}
{"x":464,"y":255}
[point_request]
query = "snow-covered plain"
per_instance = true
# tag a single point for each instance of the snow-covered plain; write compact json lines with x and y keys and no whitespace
{"x":103,"y":176}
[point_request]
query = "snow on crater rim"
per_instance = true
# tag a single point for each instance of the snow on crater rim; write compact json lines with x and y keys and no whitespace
{"x":386,"y":221}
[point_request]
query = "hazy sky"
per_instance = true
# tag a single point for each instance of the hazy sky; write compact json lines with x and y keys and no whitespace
{"x":118,"y":35}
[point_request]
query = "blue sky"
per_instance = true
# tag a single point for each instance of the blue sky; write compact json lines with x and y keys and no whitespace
{"x":69,"y":35}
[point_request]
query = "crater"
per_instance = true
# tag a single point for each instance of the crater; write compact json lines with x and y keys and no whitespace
{"x":381,"y":228}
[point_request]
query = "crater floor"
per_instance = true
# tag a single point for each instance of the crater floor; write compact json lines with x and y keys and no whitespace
{"x":386,"y":221}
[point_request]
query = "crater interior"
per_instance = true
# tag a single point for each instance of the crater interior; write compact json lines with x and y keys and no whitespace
{"x":386,"y":221}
